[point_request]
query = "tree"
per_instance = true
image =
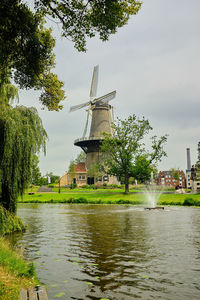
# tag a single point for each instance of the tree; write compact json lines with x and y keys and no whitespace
{"x":53,"y":178}
{"x":23,"y":135}
{"x":27,"y":60}
{"x":26,"y":46}
{"x":81,"y":19}
{"x":197,"y":166}
{"x":35,"y":170}
{"x":71,"y":170}
{"x":26,"y":52}
{"x":175,"y":173}
{"x":124,"y":151}
{"x":81,"y":158}
{"x":142,"y":168}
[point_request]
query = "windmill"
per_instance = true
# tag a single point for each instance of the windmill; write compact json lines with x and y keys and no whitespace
{"x":101,"y":121}
{"x":94,"y":103}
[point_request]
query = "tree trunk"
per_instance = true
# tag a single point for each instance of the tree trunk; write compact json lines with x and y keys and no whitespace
{"x":8,"y":199}
{"x":126,"y":184}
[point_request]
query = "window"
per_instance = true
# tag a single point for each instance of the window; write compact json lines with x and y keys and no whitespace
{"x":105,"y":178}
{"x":79,"y":177}
{"x":99,"y":178}
{"x":83,"y":177}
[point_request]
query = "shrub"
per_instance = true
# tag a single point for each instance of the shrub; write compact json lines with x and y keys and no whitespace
{"x":85,"y":186}
{"x":188,"y":202}
{"x":9,"y":222}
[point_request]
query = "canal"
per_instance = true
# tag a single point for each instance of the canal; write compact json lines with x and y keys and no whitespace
{"x":113,"y":252}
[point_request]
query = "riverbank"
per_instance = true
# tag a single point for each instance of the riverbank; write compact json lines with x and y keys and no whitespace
{"x":15,"y":273}
{"x":110,"y":198}
{"x":9,"y":222}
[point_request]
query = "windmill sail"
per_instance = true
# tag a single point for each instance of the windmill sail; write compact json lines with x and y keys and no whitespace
{"x":86,"y":125}
{"x":93,"y":89}
{"x":76,"y":107}
{"x":106,"y":98}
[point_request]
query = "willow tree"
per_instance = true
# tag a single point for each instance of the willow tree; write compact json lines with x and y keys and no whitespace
{"x":21,"y":135}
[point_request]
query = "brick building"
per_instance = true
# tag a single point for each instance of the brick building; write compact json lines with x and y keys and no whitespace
{"x":165,"y":178}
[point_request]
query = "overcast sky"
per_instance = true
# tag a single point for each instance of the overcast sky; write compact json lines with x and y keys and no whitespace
{"x":153,"y":63}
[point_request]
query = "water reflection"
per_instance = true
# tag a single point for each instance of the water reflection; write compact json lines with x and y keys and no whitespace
{"x":114,"y":252}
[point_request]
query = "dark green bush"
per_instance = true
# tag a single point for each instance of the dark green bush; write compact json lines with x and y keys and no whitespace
{"x":189,"y":201}
{"x":9,"y":222}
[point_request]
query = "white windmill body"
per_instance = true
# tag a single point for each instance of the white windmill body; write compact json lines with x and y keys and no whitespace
{"x":101,"y":121}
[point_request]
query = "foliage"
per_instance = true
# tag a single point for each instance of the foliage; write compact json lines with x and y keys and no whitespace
{"x":35,"y":170}
{"x":23,"y":135}
{"x":26,"y":46}
{"x":81,"y":158}
{"x":124,"y":151}
{"x":175,"y":173}
{"x":9,"y":223}
{"x":26,"y":51}
{"x":142,"y":169}
{"x":82,"y":19}
{"x":53,"y":178}
{"x":43,"y":181}
{"x":198,"y":162}
{"x":71,"y":169}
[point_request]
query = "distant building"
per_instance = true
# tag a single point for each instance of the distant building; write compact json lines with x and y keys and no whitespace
{"x":79,"y":177}
{"x":165,"y":178}
{"x":192,"y":181}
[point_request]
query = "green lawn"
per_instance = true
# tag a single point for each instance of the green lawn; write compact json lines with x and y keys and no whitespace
{"x":109,"y":198}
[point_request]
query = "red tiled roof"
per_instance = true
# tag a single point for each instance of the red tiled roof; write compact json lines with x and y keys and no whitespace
{"x":80,"y":168}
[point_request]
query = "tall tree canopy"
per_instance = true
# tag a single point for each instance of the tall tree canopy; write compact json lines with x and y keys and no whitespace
{"x":26,"y":46}
{"x":125,"y":153}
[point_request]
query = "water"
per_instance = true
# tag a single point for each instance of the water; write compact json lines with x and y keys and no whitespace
{"x":152,"y":195}
{"x":113,"y":252}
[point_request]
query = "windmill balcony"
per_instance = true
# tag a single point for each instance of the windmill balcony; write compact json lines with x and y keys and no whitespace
{"x":88,"y":139}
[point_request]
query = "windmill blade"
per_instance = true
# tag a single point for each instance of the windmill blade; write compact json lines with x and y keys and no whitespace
{"x":76,"y":107}
{"x":106,"y":98}
{"x":93,"y":89}
{"x":86,"y":125}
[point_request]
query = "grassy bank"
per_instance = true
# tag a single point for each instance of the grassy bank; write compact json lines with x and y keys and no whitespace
{"x":9,"y":223}
{"x":15,"y":273}
{"x":110,"y":198}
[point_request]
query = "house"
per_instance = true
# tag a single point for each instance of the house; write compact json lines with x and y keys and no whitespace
{"x":165,"y":178}
{"x":80,"y":177}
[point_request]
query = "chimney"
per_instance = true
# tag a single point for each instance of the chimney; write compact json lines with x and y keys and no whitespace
{"x":188,"y":160}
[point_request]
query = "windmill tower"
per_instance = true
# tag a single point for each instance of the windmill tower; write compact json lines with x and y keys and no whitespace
{"x":100,"y":111}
